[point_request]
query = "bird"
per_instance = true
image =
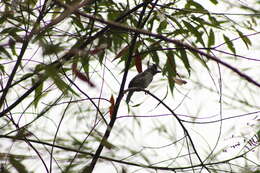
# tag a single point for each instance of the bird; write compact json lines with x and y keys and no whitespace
{"x":142,"y":80}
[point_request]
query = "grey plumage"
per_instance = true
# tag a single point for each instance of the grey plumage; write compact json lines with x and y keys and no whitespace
{"x":142,"y":80}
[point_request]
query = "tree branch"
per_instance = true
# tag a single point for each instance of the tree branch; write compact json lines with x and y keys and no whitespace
{"x":176,"y":42}
{"x":178,"y":119}
{"x":89,"y":168}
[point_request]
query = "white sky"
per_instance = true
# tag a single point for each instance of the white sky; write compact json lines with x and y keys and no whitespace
{"x":199,"y":102}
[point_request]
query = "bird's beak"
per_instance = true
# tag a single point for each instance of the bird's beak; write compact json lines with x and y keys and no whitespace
{"x":158,"y":71}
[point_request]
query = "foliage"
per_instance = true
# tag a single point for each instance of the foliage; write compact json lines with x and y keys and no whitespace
{"x":64,"y":67}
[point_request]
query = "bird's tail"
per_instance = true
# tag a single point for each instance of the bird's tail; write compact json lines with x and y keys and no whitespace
{"x":129,"y":95}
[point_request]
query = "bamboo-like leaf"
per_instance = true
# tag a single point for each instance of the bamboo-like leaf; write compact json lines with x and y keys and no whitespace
{"x":138,"y":62}
{"x":112,"y":106}
{"x":121,"y":52}
{"x":98,"y":49}
{"x":17,"y":165}
{"x":230,"y":44}
{"x":162,"y":26}
{"x":215,"y":2}
{"x":184,"y":58}
{"x":200,"y":59}
{"x":191,"y":4}
{"x":77,"y":21}
{"x":258,"y":134}
{"x":37,"y":93}
{"x":85,"y":63}
{"x":5,"y":52}
{"x":173,"y":19}
{"x":49,"y":49}
{"x":179,"y":81}
{"x":81,"y":76}
{"x":170,"y":69}
{"x":211,"y":40}
{"x":194,"y":31}
{"x":105,"y":142}
{"x":53,"y":73}
{"x":2,"y":68}
{"x":244,"y":38}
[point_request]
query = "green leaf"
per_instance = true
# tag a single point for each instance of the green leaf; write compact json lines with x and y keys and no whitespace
{"x":77,"y":21}
{"x":2,"y":68}
{"x":2,"y":50}
{"x":10,"y":30}
{"x":258,"y":134}
{"x":17,"y":165}
{"x":244,"y":38}
{"x":180,"y":32}
{"x":194,"y":5}
{"x":12,"y":45}
{"x":105,"y":142}
{"x":211,"y":40}
{"x":184,"y":58}
{"x":216,"y":23}
{"x":37,"y":94}
{"x":170,"y":69}
{"x":155,"y":57}
{"x":52,"y":72}
{"x":214,"y":2}
{"x":162,"y":26}
{"x":150,"y":23}
{"x":85,"y":64}
{"x":195,"y":32}
{"x":230,"y":44}
{"x":113,"y":15}
{"x":49,"y":49}
{"x":200,"y":59}
{"x":4,"y":170}
{"x":202,"y":22}
{"x":173,"y":19}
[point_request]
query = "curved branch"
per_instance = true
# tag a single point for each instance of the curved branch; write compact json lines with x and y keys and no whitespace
{"x":58,"y":64}
{"x":178,"y":119}
{"x":89,"y":168}
{"x":176,"y":42}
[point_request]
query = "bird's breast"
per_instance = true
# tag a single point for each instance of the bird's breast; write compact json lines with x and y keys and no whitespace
{"x":147,"y":79}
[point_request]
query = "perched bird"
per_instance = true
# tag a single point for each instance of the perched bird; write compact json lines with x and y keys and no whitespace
{"x":142,"y":80}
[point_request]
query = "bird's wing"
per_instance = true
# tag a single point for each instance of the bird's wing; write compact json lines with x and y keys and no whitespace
{"x":137,"y":81}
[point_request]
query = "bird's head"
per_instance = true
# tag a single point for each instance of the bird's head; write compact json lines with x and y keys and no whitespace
{"x":154,"y":69}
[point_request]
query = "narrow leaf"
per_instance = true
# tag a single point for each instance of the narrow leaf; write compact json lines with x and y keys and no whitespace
{"x":258,"y":134}
{"x":171,"y":69}
{"x":162,"y":26}
{"x":2,"y":69}
{"x":105,"y":142}
{"x":98,"y":49}
{"x":184,"y":58}
{"x":230,"y":44}
{"x":53,"y":73}
{"x":112,"y":106}
{"x":4,"y":51}
{"x":211,"y":40}
{"x":49,"y":49}
{"x":179,"y":81}
{"x":121,"y":53}
{"x":17,"y":165}
{"x":85,"y":64}
{"x":81,"y":76}
{"x":194,"y":31}
{"x":191,"y":4}
{"x":138,"y":62}
{"x":214,"y":2}
{"x":244,"y":38}
{"x":37,"y":94}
